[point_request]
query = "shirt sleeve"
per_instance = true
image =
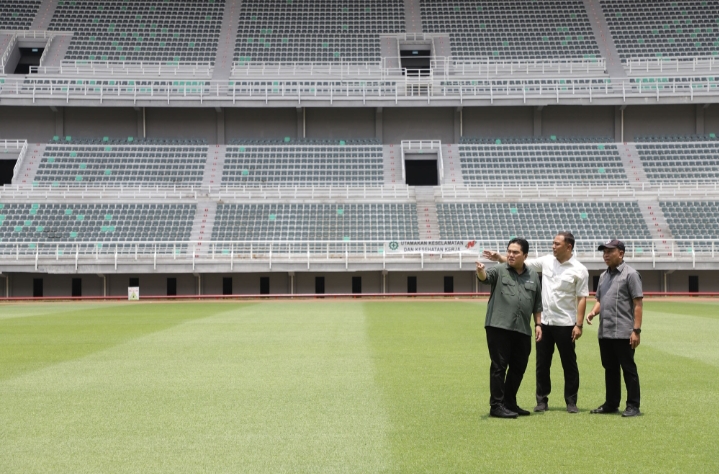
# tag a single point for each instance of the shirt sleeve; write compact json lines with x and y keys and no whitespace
{"x":634,"y":283}
{"x":537,"y":301}
{"x":491,"y":275}
{"x":597,"y":295}
{"x":582,"y":285}
{"x":535,"y":264}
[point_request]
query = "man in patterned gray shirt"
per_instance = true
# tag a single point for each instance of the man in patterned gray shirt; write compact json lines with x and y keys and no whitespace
{"x":619,"y":306}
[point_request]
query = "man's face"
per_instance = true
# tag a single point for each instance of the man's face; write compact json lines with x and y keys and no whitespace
{"x":613,"y":257}
{"x":560,"y":248}
{"x":515,"y":257}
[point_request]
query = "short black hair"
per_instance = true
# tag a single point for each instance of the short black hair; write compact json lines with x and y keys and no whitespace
{"x":521,"y":242}
{"x":568,"y":238}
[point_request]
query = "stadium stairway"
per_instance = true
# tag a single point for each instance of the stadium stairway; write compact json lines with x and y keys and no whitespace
{"x":57,"y":51}
{"x":427,"y":213}
{"x":657,"y":224}
{"x":214,"y":164}
{"x":389,"y":51}
{"x":392,"y":165}
{"x":412,"y":16}
{"x":604,"y":38}
{"x":228,"y":37}
{"x":44,"y":14}
{"x":202,"y":227}
{"x":452,"y":166}
{"x":632,"y":164}
{"x":28,"y":168}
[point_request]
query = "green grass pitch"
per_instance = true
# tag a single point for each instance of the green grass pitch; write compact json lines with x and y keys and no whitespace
{"x":331,"y":386}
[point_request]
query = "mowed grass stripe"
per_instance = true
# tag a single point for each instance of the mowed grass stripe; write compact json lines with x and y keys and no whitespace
{"x":272,"y":387}
{"x":70,"y":331}
{"x":433,"y":365}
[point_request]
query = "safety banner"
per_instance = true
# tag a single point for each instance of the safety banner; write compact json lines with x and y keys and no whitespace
{"x":428,"y":246}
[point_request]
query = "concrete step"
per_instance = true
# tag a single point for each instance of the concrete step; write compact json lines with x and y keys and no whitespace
{"x":604,"y":38}
{"x":658,"y":225}
{"x":632,"y":164}
{"x":44,"y":15}
{"x":30,"y":164}
{"x":228,"y":36}
{"x":427,"y":213}
{"x":214,"y":165}
{"x":412,"y":16}
{"x":392,"y":155}
{"x":452,"y":166}
{"x":57,"y":51}
{"x":202,"y":228}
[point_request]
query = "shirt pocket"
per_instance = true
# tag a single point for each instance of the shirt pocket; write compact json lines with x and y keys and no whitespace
{"x":566,"y":284}
{"x":509,"y":287}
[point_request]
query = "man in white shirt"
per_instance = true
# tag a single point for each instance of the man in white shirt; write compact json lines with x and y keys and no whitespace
{"x":565,"y":287}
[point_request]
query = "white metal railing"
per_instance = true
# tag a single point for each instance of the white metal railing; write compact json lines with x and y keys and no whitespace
{"x":131,"y":91}
{"x":6,"y":54}
{"x":216,"y":193}
{"x":125,"y":68}
{"x":233,"y":253}
{"x":443,"y":66}
{"x":439,"y":65}
{"x":20,"y":159}
{"x":686,"y":64}
{"x":552,"y":191}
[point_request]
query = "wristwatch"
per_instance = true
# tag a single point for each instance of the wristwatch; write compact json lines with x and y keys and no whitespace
{"x":637,"y":331}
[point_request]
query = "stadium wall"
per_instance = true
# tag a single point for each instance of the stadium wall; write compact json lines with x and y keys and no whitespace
{"x":60,"y":285}
{"x":391,"y":125}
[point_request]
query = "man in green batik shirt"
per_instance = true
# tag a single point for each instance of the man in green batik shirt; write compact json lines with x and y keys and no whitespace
{"x":515,"y":297}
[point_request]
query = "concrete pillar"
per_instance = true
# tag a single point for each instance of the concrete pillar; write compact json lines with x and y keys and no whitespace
{"x":379,"y":124}
{"x":59,"y":121}
{"x":700,"y":119}
{"x":220,"y":125}
{"x":301,"y":122}
{"x":457,"y":124}
{"x":538,"y":121}
{"x":140,"y":123}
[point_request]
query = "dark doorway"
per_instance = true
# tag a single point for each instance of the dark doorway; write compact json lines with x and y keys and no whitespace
{"x":37,"y":288}
{"x":421,"y":172}
{"x":172,"y":287}
{"x":76,"y":287}
{"x":356,"y":285}
{"x":7,"y":168}
{"x":693,"y":284}
{"x":416,"y":62}
{"x":28,"y":57}
{"x":320,"y":285}
{"x":227,"y":286}
{"x":595,"y":282}
{"x":134,"y":282}
{"x":449,"y":284}
{"x":264,"y":285}
{"x":412,"y":284}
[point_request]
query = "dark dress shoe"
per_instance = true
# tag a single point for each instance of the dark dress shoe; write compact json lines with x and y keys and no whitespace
{"x":502,"y":412}
{"x":518,"y":411}
{"x":541,"y":406}
{"x":602,"y":410}
{"x":572,"y":408}
{"x":631,"y":411}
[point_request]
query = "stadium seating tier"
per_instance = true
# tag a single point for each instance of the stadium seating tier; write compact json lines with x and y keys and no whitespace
{"x":18,"y":14}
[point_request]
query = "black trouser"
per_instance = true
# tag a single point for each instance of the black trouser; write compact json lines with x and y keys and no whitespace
{"x":616,"y":354}
{"x":562,"y":337}
{"x":507,"y":349}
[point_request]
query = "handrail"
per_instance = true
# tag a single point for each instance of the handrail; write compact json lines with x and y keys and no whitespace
{"x":165,"y":91}
{"x":306,"y":250}
{"x":691,"y":63}
{"x":96,"y":68}
{"x":19,"y":162}
{"x":8,"y":51}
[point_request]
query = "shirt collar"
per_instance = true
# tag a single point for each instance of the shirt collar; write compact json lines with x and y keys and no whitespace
{"x":511,"y":268}
{"x":618,"y":270}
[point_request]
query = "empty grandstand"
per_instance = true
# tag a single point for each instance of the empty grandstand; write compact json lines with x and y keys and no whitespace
{"x":18,"y":14}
